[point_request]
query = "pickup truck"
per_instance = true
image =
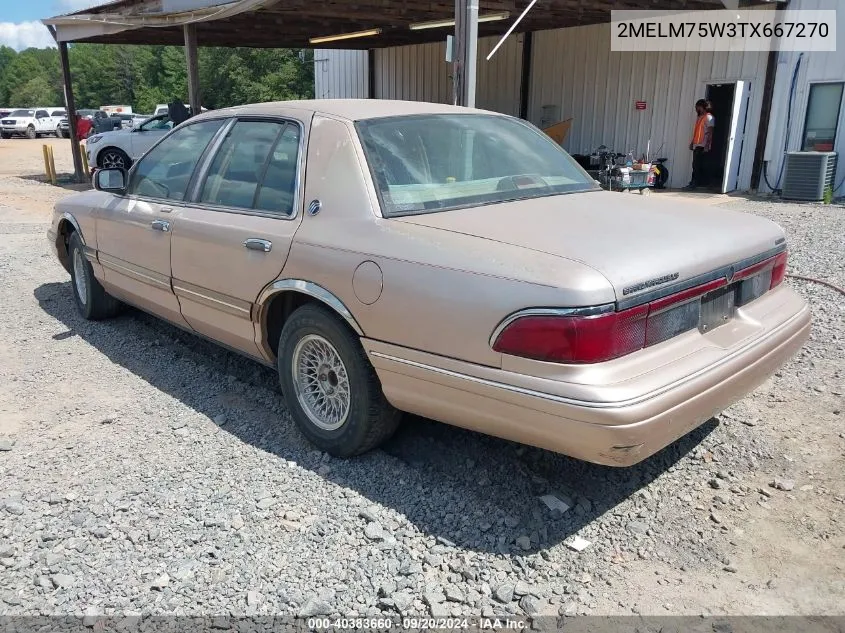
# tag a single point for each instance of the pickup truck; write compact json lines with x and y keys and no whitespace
{"x":102,"y":121}
{"x":31,"y":122}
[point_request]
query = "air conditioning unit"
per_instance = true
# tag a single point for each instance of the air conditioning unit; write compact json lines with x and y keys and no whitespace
{"x":808,"y":174}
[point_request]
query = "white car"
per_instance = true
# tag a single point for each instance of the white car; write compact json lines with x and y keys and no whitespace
{"x":121,"y":148}
{"x":31,"y":122}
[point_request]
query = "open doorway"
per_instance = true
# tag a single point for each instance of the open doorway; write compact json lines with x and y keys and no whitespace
{"x":730,"y":111}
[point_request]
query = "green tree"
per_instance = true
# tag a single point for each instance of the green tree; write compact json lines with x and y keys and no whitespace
{"x":7,"y":55}
{"x":144,"y":76}
{"x":35,"y":92}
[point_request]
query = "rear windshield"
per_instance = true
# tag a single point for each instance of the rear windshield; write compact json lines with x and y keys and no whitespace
{"x":23,"y":113}
{"x":429,"y":163}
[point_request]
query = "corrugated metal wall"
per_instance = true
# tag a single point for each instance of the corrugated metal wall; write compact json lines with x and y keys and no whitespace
{"x":815,"y":67}
{"x":575,"y":72}
{"x":420,"y":73}
{"x":340,"y":74}
{"x":414,"y":73}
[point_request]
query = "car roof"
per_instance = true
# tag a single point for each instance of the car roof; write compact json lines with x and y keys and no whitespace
{"x":350,"y":109}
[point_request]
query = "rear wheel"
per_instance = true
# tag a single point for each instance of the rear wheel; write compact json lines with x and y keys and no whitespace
{"x":91,"y":299}
{"x":330,"y":386}
{"x":113,"y":158}
{"x":31,"y":133}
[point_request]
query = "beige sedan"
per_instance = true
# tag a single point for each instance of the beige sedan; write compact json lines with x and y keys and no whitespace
{"x":453,"y":263}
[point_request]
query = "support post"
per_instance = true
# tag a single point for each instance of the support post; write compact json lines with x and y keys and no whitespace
{"x":525,"y":78}
{"x":466,"y":52}
{"x":193,"y":68}
{"x":371,"y":74}
{"x":70,"y":108}
{"x":765,"y":117}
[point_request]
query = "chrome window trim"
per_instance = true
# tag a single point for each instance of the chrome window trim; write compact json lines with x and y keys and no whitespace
{"x":215,"y":146}
{"x":723,"y":272}
{"x":585,"y":311}
{"x":201,"y":170}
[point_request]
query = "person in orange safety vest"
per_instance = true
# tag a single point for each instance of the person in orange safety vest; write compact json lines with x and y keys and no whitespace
{"x":701,"y":144}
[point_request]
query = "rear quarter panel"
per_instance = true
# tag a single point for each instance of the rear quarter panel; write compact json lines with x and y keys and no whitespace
{"x":440,"y":291}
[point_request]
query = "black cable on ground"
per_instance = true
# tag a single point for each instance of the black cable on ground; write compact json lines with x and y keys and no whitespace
{"x":819,"y":281}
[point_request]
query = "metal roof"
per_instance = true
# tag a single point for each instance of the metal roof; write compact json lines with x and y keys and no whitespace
{"x":291,"y":23}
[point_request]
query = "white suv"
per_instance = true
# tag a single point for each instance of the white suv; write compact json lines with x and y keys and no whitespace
{"x":31,"y":122}
{"x":123,"y":147}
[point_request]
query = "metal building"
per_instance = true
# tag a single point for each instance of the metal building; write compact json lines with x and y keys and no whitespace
{"x":626,"y":101}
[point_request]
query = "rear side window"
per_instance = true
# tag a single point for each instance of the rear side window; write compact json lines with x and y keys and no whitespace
{"x":255,"y":168}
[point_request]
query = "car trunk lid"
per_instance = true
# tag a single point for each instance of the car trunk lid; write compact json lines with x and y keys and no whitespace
{"x":640,"y":245}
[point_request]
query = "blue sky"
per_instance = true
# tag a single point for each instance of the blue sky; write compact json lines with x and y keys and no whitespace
{"x":20,"y":26}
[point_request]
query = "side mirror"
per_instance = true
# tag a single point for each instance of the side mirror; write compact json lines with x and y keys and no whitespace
{"x":111,"y":180}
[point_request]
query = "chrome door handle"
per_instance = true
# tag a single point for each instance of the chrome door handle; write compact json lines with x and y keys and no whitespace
{"x":257,"y":244}
{"x":160,"y":225}
{"x":165,"y":209}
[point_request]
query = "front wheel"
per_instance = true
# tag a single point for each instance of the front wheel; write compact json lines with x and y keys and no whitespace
{"x":5,"y":135}
{"x":332,"y":390}
{"x":91,"y":299}
{"x":31,"y":133}
{"x":114,"y":158}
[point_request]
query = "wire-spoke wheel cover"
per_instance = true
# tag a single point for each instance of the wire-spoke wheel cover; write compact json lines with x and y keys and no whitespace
{"x":321,"y":382}
{"x":80,"y":281}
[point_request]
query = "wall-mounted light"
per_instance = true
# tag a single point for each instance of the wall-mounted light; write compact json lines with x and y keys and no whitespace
{"x":440,"y":24}
{"x":343,"y":36}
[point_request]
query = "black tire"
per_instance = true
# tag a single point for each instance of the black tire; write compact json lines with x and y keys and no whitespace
{"x":31,"y":133}
{"x":370,"y":419}
{"x":96,"y":303}
{"x":5,"y":135}
{"x":113,"y":157}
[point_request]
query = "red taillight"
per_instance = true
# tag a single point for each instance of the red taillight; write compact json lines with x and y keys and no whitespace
{"x":779,"y":270}
{"x":575,"y":339}
{"x":578,"y":339}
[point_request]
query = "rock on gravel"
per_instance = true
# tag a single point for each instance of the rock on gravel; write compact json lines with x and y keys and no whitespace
{"x":783,"y":484}
{"x":313,"y":607}
{"x":61,"y":580}
{"x":504,"y":593}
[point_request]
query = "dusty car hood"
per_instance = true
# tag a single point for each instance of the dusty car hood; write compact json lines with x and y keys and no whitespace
{"x":627,"y":238}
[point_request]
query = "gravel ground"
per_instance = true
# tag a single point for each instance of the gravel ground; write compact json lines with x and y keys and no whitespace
{"x":146,"y":471}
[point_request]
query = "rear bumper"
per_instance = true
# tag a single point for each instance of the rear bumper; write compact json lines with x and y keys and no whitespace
{"x":610,"y":433}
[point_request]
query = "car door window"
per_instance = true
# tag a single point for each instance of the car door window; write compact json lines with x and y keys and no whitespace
{"x":255,"y":168}
{"x":59,"y":113}
{"x":41,"y":114}
{"x":160,"y":123}
{"x":278,"y":187}
{"x":166,"y":170}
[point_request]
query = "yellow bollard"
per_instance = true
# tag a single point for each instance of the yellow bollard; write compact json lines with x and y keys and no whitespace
{"x":52,"y":165}
{"x":47,"y":163}
{"x":85,"y":166}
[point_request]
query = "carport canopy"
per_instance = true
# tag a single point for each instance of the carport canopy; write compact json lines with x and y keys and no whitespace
{"x":346,"y":24}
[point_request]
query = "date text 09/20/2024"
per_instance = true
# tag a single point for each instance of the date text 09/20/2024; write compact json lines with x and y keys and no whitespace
{"x":417,"y":624}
